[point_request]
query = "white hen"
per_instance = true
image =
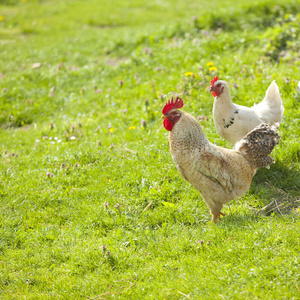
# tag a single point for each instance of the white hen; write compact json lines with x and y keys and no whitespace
{"x":234,"y":121}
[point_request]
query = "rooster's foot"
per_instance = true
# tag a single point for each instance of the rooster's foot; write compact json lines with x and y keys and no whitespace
{"x":216,"y":217}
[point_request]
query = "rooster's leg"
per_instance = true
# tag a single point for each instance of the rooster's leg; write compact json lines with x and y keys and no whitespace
{"x":216,"y":217}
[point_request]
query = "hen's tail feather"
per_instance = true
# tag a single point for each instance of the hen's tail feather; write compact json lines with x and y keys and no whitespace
{"x":273,"y":93}
{"x":270,"y":110}
{"x":258,"y":144}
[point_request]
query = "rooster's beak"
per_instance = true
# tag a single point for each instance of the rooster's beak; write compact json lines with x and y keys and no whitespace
{"x":163,"y":117}
{"x":211,"y":89}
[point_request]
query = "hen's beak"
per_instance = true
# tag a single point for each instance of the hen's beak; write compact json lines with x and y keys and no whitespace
{"x":163,"y":117}
{"x":211,"y":89}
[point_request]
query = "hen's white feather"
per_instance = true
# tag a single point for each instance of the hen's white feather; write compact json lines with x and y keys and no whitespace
{"x":270,"y":110}
{"x":234,"y":121}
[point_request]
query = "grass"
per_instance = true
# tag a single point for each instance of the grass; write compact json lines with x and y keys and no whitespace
{"x":92,"y":206}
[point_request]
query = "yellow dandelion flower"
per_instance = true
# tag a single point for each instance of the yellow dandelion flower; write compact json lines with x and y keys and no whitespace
{"x":111,"y":130}
{"x":209,"y":64}
{"x":132,"y":127}
{"x":1,"y":18}
{"x":212,"y":68}
{"x":188,"y":74}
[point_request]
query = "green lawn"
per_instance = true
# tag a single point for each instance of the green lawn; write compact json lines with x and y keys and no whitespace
{"x":92,"y":206}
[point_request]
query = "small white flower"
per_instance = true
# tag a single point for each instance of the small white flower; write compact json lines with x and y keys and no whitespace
{"x":50,"y":138}
{"x":37,"y":141}
{"x":56,"y":138}
{"x":72,"y":138}
{"x":52,"y":142}
{"x":59,"y":140}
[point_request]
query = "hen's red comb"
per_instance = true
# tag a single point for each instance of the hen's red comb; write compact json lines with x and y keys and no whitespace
{"x":213,"y":81}
{"x":171,"y":105}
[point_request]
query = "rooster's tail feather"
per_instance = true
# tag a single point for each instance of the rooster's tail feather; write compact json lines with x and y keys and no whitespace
{"x":258,"y":144}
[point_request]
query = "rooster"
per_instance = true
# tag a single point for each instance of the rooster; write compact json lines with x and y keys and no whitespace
{"x":219,"y":174}
{"x":234,"y":121}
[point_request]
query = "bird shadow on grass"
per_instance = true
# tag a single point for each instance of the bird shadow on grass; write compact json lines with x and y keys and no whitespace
{"x":247,"y":219}
{"x":281,"y":184}
{"x":280,"y":176}
{"x":240,"y":219}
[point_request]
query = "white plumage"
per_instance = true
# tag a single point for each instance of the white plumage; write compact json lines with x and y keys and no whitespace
{"x":234,"y":121}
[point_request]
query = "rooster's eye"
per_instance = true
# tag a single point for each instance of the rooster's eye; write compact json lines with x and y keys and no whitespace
{"x":219,"y":84}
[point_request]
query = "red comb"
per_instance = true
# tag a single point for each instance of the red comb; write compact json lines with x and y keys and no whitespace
{"x":171,"y":105}
{"x":213,"y":81}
